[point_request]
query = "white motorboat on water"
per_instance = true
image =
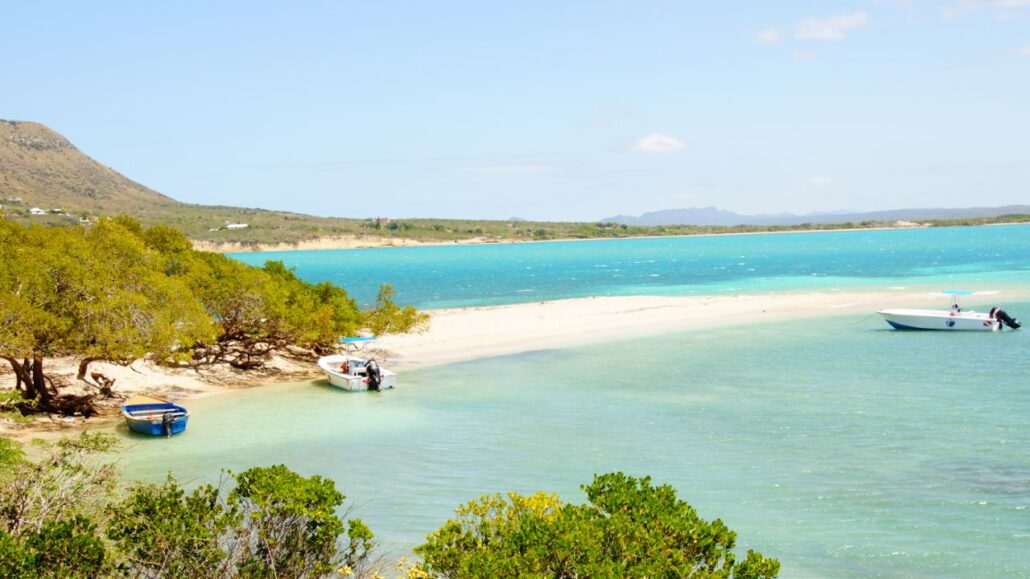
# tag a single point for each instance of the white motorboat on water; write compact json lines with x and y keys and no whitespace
{"x":354,"y":372}
{"x":953,"y":319}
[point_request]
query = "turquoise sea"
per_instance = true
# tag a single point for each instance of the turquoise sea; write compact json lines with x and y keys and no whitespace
{"x":834,"y":444}
{"x":472,"y":275}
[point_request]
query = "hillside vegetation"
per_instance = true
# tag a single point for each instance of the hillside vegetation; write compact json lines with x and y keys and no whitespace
{"x":39,"y":168}
{"x":45,"y":170}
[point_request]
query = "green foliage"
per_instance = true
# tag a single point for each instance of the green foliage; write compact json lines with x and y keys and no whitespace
{"x":67,"y":549}
{"x":74,"y":477}
{"x":10,"y":455}
{"x":274,"y":523}
{"x":118,"y":291}
{"x":628,"y":528}
{"x":315,"y":315}
{"x":59,"y":518}
{"x":49,"y":508}
{"x":293,"y":523}
{"x":160,"y":529}
{"x":387,"y":317}
{"x":10,"y":409}
{"x":98,"y":294}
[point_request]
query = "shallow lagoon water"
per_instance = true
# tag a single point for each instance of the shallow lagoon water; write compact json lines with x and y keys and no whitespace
{"x":840,"y":447}
{"x":460,"y":276}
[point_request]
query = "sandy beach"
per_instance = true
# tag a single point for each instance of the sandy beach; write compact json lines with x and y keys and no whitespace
{"x":371,"y":241}
{"x":333,"y":242}
{"x":480,"y":332}
{"x":464,"y":334}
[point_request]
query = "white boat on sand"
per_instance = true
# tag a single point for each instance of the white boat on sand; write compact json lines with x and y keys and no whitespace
{"x":354,"y":372}
{"x":953,"y":319}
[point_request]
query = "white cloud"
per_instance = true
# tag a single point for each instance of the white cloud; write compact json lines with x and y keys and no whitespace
{"x":768,"y":36}
{"x":1025,"y":51}
{"x":831,"y":28}
{"x":508,"y":168}
{"x":819,"y":181}
{"x":658,"y":143}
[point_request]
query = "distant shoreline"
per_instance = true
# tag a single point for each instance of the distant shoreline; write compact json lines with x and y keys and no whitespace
{"x":329,"y":243}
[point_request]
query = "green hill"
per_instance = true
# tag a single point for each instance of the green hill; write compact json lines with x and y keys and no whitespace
{"x":45,"y":170}
{"x":40,"y":169}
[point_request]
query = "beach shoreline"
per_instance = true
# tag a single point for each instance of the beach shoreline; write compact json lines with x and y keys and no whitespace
{"x":472,"y":333}
{"x":337,"y":242}
{"x":465,"y":334}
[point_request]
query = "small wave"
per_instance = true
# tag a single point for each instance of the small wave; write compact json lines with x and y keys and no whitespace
{"x":523,"y":291}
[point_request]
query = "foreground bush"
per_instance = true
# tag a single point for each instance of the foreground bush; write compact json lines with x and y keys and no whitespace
{"x":49,"y":508}
{"x":627,"y":528}
{"x":61,"y":516}
{"x":274,"y":523}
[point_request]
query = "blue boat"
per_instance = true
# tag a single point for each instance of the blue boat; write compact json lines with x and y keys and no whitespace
{"x":154,"y":417}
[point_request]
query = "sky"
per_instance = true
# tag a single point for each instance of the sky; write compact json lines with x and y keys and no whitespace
{"x":552,"y":110}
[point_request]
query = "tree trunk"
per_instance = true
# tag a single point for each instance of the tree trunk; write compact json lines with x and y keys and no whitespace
{"x":39,"y":382}
{"x":84,"y":367}
{"x":21,"y":380}
{"x":26,"y":376}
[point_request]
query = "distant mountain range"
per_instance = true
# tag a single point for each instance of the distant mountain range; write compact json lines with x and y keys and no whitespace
{"x":716,"y":216}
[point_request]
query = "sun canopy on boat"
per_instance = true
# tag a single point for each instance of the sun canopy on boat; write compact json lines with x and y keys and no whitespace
{"x":357,"y":339}
{"x":957,"y":292}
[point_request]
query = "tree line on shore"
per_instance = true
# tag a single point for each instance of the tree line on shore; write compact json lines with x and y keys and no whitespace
{"x":65,"y":515}
{"x":119,"y":292}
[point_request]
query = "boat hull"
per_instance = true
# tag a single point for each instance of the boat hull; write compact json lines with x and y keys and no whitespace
{"x":939,"y":320}
{"x":152,"y":428}
{"x":154,"y":417}
{"x":353,"y":382}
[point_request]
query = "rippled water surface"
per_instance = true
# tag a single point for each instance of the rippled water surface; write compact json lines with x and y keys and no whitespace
{"x":456,"y":276}
{"x":840,"y":447}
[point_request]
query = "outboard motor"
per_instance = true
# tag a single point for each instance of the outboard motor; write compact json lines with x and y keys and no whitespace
{"x":999,"y":314}
{"x":375,"y":376}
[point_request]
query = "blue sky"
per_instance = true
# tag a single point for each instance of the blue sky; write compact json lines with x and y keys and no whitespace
{"x":544,"y":110}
